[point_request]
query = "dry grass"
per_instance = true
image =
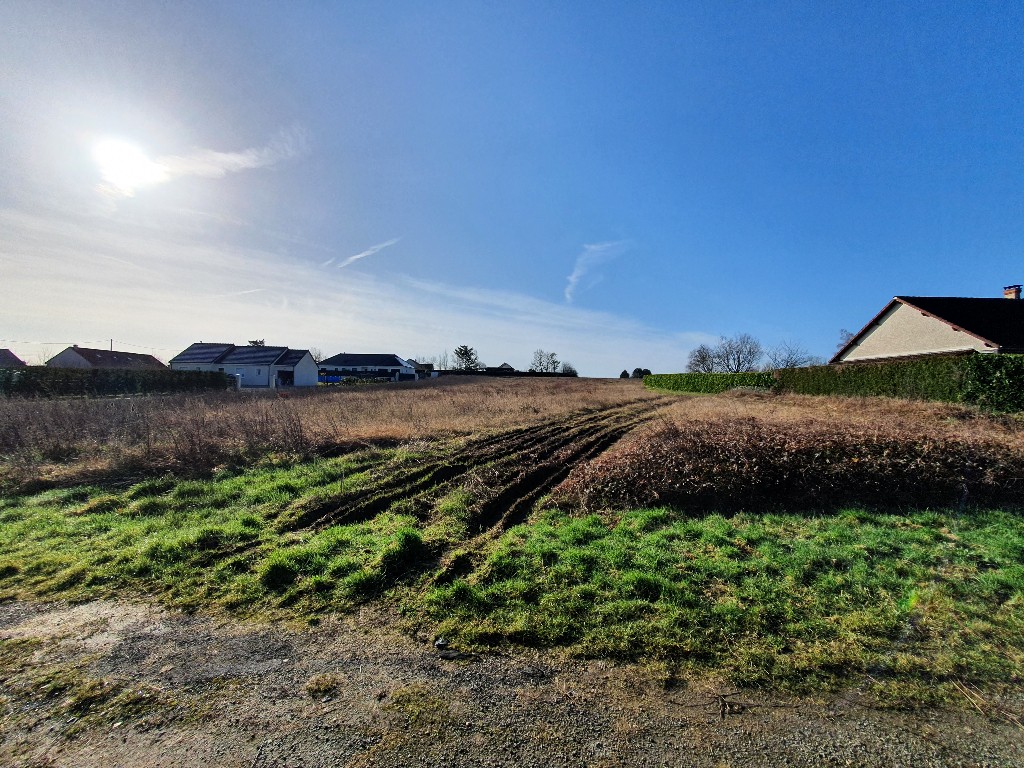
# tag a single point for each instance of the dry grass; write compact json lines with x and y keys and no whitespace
{"x":758,"y":451}
{"x":884,"y":415}
{"x":45,"y":442}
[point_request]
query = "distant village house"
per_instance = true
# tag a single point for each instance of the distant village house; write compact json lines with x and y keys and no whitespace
{"x":256,"y":366}
{"x":10,"y":360}
{"x":83,"y":357}
{"x":349,"y":365}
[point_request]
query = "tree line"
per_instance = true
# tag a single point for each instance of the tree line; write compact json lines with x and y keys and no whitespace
{"x":743,"y":353}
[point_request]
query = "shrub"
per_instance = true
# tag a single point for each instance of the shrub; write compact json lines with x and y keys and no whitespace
{"x":708,"y":383}
{"x":933,"y":378}
{"x":746,"y":464}
{"x":40,"y":381}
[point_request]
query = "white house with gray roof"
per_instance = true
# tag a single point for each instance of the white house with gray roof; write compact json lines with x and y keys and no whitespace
{"x":366,"y":366}
{"x":257,"y":366}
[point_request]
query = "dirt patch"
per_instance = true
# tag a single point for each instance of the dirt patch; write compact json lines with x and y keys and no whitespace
{"x":354,"y":691}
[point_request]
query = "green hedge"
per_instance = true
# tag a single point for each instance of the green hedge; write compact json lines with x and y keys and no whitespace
{"x":933,"y":378}
{"x":40,"y":381}
{"x":708,"y":382}
{"x":993,"y":382}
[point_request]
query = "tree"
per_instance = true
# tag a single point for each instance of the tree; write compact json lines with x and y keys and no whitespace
{"x":845,"y":337}
{"x":789,"y":354}
{"x":466,"y":359}
{"x":444,"y":361}
{"x":638,"y":373}
{"x":316,"y":354}
{"x":701,"y":360}
{"x":544,"y":362}
{"x":257,"y":342}
{"x":569,"y":369}
{"x":624,"y":374}
{"x":738,"y":354}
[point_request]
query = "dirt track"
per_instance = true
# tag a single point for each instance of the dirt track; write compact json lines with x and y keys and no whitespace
{"x":354,"y":692}
{"x":521,"y":465}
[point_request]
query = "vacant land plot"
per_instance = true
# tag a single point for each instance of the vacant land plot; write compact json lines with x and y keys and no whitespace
{"x":798,"y":546}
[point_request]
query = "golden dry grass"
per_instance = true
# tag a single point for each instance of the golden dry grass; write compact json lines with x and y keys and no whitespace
{"x":884,"y":415}
{"x":65,"y":441}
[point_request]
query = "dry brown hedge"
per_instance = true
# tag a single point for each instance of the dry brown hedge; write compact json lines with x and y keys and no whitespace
{"x":744,"y":463}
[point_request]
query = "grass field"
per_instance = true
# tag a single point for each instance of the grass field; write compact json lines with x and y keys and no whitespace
{"x":464,"y":512}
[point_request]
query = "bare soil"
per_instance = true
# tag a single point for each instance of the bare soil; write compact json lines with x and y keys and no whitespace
{"x":169,"y":689}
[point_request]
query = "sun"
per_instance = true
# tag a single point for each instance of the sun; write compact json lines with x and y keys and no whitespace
{"x":125,"y":167}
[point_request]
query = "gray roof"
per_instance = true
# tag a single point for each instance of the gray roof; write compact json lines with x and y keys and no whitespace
{"x":292,"y":356}
{"x":253,"y":356}
{"x":10,"y":360}
{"x":359,"y":360}
{"x":207,"y":353}
{"x":203,"y":353}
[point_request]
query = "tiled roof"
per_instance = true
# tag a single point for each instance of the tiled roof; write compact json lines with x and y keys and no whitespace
{"x":1000,"y":321}
{"x":353,"y":360}
{"x":253,"y":356}
{"x":201,"y":352}
{"x":292,"y":356}
{"x":105,"y":358}
{"x":10,"y":360}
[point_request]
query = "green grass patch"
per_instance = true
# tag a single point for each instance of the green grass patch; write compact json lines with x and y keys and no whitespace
{"x":208,"y":543}
{"x":786,"y":599}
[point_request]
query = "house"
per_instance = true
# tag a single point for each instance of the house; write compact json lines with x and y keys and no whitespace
{"x":83,"y":357}
{"x":910,"y":326}
{"x":257,"y":366}
{"x":423,"y":370}
{"x":501,"y":370}
{"x":366,"y":366}
{"x":10,"y":360}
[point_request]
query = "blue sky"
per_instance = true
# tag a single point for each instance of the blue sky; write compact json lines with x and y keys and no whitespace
{"x":616,"y":182}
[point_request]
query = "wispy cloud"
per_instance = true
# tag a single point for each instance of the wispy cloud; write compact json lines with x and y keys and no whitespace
{"x":593,"y":255}
{"x":211,"y":164}
{"x":232,"y":294}
{"x":125,"y":168}
{"x":368,"y":252}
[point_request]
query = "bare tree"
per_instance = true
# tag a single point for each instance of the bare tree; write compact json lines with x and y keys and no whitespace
{"x":845,"y":337}
{"x":790,"y":354}
{"x":740,"y":354}
{"x":569,"y":369}
{"x":701,"y":360}
{"x":444,"y":361}
{"x":317,"y":354}
{"x":545,"y":362}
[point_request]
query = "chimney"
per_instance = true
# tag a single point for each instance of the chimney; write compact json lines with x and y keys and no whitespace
{"x":1011,"y":292}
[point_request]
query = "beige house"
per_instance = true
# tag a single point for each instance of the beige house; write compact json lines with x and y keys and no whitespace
{"x":911,"y":326}
{"x":83,"y":357}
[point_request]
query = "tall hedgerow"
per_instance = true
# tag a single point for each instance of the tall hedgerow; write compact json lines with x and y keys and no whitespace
{"x":708,"y":383}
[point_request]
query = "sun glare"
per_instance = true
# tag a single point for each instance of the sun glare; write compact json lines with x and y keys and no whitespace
{"x":124,"y":167}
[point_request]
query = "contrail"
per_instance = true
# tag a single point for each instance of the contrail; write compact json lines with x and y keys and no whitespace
{"x":368,"y":252}
{"x":593,"y":254}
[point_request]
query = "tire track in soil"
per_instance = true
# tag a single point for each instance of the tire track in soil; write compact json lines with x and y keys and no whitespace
{"x":515,"y":469}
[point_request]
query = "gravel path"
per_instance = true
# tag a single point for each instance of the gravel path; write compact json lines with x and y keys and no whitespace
{"x":169,"y":689}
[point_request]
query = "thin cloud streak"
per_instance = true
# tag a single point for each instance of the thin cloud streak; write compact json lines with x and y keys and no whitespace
{"x":368,"y":252}
{"x":211,"y":164}
{"x":593,"y":255}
